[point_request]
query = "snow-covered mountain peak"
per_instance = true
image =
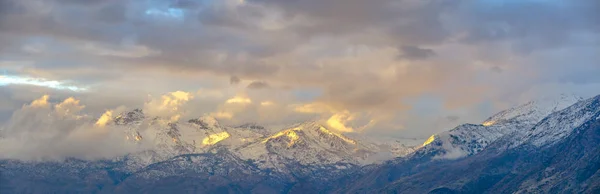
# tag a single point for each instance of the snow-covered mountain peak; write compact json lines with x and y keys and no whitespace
{"x":307,"y":143}
{"x":205,"y":122}
{"x":561,"y":124}
{"x":533,"y":111}
{"x":253,"y":127}
{"x":469,"y":139}
{"x":290,"y":133}
{"x":311,"y":131}
{"x":462,"y":141}
{"x":250,"y":126}
{"x":129,"y":117}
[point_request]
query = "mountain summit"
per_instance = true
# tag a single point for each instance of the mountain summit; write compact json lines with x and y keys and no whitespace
{"x":469,"y":139}
{"x":533,"y":111}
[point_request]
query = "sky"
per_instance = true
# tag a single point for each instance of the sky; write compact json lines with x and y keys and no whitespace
{"x":382,"y":68}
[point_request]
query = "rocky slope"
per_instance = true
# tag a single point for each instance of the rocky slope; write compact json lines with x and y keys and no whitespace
{"x":469,"y":139}
{"x":559,"y":154}
{"x":563,"y":159}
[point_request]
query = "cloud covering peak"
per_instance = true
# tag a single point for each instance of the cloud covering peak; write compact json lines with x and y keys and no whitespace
{"x":40,"y":131}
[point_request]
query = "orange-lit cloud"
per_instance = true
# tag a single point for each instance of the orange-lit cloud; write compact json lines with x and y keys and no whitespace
{"x":316,"y":107}
{"x":232,"y":106}
{"x":338,"y":121}
{"x":105,"y":118}
{"x":69,"y":106}
{"x":239,"y":100}
{"x":222,"y":115}
{"x":41,"y":102}
{"x":169,"y":105}
{"x":267,"y":103}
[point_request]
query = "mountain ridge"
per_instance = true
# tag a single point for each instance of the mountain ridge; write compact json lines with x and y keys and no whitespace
{"x":478,"y":173}
{"x":297,"y":159}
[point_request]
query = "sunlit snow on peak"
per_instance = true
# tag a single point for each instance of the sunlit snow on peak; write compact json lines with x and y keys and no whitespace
{"x":324,"y":130}
{"x":281,"y":133}
{"x":489,"y":123}
{"x":429,"y":140}
{"x":215,"y":138}
{"x":25,"y":80}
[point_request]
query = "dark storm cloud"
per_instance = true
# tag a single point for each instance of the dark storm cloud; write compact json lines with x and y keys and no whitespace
{"x":113,"y":13}
{"x":406,"y":22}
{"x":412,"y":22}
{"x":234,"y":80}
{"x":415,"y":53}
{"x":83,"y":2}
{"x":496,"y":69}
{"x":532,"y":24}
{"x":186,"y":4}
{"x":7,"y":8}
{"x":258,"y":85}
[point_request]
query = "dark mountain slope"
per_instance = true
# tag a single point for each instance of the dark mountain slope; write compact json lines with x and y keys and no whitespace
{"x":559,"y":154}
{"x":569,"y":166}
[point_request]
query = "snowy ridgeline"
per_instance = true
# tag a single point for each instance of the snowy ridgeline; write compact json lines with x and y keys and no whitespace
{"x":306,"y":143}
{"x":204,"y":145}
{"x":538,"y":122}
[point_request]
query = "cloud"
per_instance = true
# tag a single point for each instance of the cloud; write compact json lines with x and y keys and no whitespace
{"x":42,"y":102}
{"x":255,"y":85}
{"x":453,"y":118}
{"x":266,"y":103}
{"x":57,"y":132}
{"x":105,"y":118}
{"x":239,"y":100}
{"x":415,"y":53}
{"x":496,"y":69}
{"x":338,"y":119}
{"x":233,"y":106}
{"x":69,"y":106}
{"x":126,"y":51}
{"x":168,"y":106}
{"x":26,"y":80}
{"x":222,"y":115}
{"x":312,"y":108}
{"x":234,"y":80}
{"x":338,"y":122}
{"x":347,"y":50}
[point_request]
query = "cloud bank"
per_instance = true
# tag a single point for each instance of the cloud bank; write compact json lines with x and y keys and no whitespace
{"x":43,"y":130}
{"x":381,"y":67}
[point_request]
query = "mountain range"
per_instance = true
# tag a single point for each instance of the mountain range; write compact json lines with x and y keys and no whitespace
{"x":544,"y":146}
